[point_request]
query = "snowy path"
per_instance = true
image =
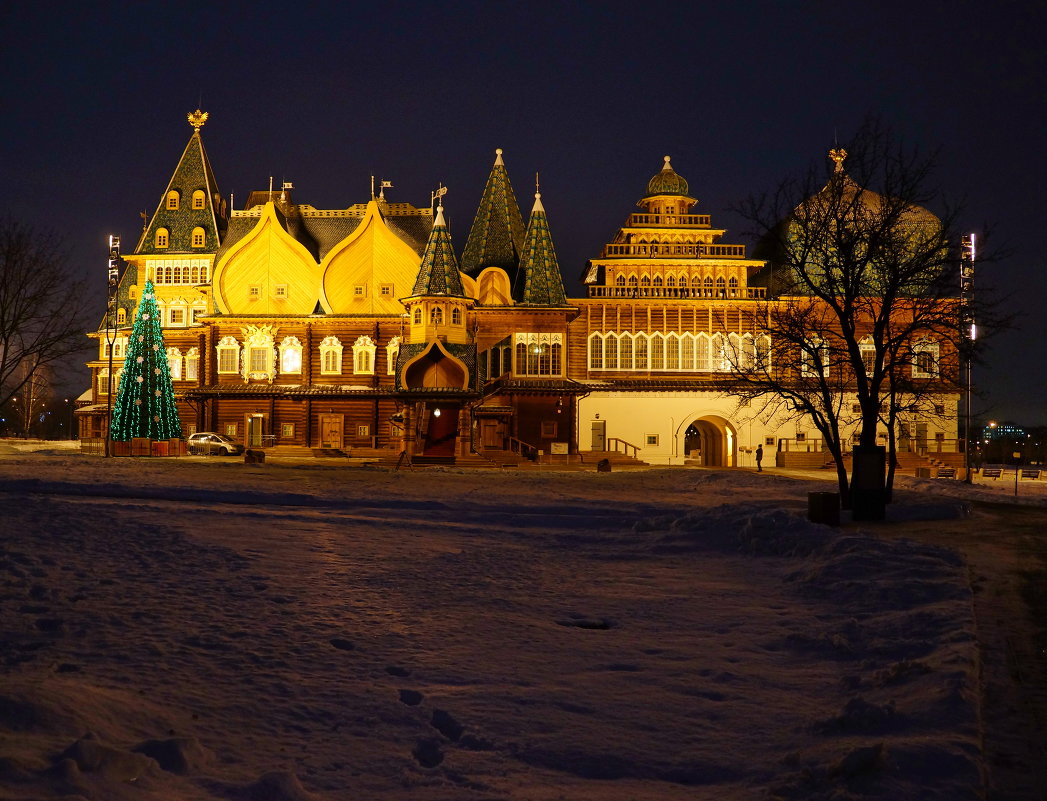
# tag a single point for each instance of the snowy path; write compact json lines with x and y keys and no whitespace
{"x":317,"y":633}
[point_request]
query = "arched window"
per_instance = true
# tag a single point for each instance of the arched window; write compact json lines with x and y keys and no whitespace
{"x":162,"y":237}
{"x":733,"y":284}
{"x":121,"y":316}
{"x":456,"y":316}
{"x":657,"y":352}
{"x":641,"y":344}
{"x":228,"y":356}
{"x":192,"y":364}
{"x":813,"y":353}
{"x":670,"y":282}
{"x":718,"y":355}
{"x":672,"y":352}
{"x":172,"y":199}
{"x":657,"y":281}
{"x":867,"y":348}
{"x":610,"y":352}
{"x":763,"y":352}
{"x":721,"y":287}
{"x":103,"y":382}
{"x":363,"y":356}
{"x":174,"y":363}
{"x":645,"y":281}
{"x":632,"y":282}
{"x":392,"y":350}
{"x":436,"y":315}
{"x":625,"y":352}
{"x":619,"y":280}
{"x":701,"y":352}
{"x":417,"y":315}
{"x":595,"y":352}
{"x":199,"y":199}
{"x":687,"y":352}
{"x":331,"y":356}
{"x":197,"y":238}
{"x":291,"y":355}
{"x":708,"y":286}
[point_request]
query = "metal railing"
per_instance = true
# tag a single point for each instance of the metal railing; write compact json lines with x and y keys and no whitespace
{"x":621,"y":446}
{"x":523,"y":449}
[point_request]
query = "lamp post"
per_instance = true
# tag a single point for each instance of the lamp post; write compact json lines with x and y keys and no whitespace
{"x":71,"y":405}
{"x":968,"y":333}
{"x":110,"y":334}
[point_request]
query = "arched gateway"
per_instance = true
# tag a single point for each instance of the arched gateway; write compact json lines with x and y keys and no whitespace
{"x":711,"y":441}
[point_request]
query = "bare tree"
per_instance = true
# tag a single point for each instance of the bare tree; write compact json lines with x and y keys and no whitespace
{"x":42,"y":308}
{"x":32,"y":398}
{"x":863,"y":282}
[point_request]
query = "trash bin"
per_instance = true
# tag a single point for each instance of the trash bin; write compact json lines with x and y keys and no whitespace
{"x":824,"y":508}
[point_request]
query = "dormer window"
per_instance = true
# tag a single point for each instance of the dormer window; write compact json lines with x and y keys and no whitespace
{"x":162,"y":236}
{"x":198,"y":237}
{"x":436,"y":316}
{"x":172,"y":200}
{"x":199,"y":198}
{"x":456,"y":316}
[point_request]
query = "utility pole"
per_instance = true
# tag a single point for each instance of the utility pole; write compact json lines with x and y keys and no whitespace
{"x":968,"y":334}
{"x":110,"y":333}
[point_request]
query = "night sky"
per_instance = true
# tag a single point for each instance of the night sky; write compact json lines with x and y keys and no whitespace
{"x":593,"y":95}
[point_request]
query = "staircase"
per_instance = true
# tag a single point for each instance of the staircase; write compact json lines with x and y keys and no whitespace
{"x":618,"y":460}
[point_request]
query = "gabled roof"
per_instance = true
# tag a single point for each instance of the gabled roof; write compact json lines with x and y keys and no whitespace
{"x":538,"y":281}
{"x":438,"y":274}
{"x":192,"y":173}
{"x":496,"y":237}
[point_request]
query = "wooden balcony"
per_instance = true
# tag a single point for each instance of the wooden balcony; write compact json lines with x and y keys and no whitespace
{"x":682,"y":293}
{"x":674,"y":251}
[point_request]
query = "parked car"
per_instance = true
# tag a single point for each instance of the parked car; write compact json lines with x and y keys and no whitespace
{"x":208,"y":442}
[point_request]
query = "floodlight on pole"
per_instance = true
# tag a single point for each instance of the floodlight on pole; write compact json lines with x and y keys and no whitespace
{"x":110,"y":332}
{"x":968,"y":335}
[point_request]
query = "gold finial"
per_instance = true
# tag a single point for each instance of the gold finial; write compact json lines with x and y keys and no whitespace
{"x":197,"y":120}
{"x":838,"y":154}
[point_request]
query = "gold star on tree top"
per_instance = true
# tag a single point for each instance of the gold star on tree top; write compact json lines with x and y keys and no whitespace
{"x":197,"y":120}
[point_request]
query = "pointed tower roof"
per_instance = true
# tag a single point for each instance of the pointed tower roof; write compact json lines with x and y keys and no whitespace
{"x":496,"y":238}
{"x":539,"y":282}
{"x":193,"y":174}
{"x":438,"y":274}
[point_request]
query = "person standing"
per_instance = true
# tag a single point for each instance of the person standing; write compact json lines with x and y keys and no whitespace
{"x":759,"y":458}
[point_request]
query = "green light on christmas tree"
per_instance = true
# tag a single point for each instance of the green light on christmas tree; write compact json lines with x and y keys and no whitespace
{"x":145,"y":404}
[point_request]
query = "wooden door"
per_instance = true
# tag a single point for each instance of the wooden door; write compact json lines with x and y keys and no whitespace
{"x":442,"y":432}
{"x":599,"y":430}
{"x":331,"y":430}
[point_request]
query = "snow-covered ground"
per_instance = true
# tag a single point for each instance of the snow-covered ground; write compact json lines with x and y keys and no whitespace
{"x":205,"y":629}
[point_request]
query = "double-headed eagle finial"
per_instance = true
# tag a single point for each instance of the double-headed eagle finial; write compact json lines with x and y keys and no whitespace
{"x":838,"y":154}
{"x":197,"y":120}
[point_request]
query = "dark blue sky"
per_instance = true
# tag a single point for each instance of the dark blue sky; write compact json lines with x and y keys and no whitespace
{"x":593,"y":95}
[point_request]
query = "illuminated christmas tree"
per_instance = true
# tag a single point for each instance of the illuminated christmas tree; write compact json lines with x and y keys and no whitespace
{"x":145,"y":404}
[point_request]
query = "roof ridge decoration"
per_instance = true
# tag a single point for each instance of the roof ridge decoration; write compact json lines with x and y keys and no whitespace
{"x":539,"y":282}
{"x":193,"y":172}
{"x":497,"y":234}
{"x":438,"y":273}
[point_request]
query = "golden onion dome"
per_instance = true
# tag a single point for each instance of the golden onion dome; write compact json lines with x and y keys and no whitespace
{"x":667,"y":182}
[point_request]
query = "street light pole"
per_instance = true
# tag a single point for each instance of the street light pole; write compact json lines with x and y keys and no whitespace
{"x":968,"y":334}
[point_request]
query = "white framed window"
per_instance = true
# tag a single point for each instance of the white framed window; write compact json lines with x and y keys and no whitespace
{"x":456,"y":316}
{"x":925,"y":359}
{"x":258,"y":359}
{"x":363,"y":356}
{"x":595,"y":351}
{"x":103,"y":382}
{"x":287,"y":430}
{"x":417,"y":315}
{"x":231,"y":429}
{"x":176,"y":316}
{"x":538,"y":354}
{"x":363,"y":431}
{"x":174,"y":363}
{"x":331,"y":356}
{"x":192,"y":364}
{"x":291,"y":355}
{"x":868,"y":353}
{"x":650,"y":440}
{"x":436,"y":315}
{"x":392,"y":351}
{"x":228,"y":355}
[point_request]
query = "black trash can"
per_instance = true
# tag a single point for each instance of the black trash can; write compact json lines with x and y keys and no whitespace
{"x":824,"y":508}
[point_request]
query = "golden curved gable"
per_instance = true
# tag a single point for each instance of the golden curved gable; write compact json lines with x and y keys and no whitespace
{"x":268,"y":272}
{"x":371,"y":257}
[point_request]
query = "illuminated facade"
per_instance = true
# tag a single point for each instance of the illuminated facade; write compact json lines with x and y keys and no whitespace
{"x":358,"y":330}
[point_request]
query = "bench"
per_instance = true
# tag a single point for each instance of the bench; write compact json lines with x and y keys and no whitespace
{"x":946,"y":472}
{"x":992,"y":472}
{"x":1030,"y":473}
